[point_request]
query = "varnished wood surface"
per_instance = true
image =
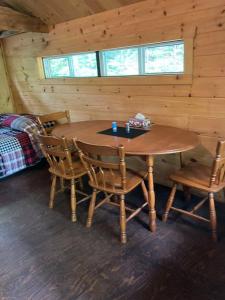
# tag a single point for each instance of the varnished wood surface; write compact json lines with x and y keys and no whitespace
{"x":56,"y":118}
{"x":198,"y":106}
{"x":43,"y":256}
{"x":210,"y":180}
{"x":158,"y":140}
{"x":62,"y":166}
{"x":12,"y":20}
{"x":56,"y":11}
{"x":112,"y":178}
{"x":6,"y":99}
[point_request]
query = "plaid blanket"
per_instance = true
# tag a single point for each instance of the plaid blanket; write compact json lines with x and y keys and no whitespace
{"x":19,"y":147}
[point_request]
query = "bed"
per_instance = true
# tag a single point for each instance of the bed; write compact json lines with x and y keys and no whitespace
{"x":19,"y":148}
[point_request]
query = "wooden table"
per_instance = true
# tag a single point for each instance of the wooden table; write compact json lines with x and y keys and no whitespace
{"x":159,"y":140}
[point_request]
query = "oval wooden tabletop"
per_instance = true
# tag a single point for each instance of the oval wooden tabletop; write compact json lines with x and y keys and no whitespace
{"x":158,"y":140}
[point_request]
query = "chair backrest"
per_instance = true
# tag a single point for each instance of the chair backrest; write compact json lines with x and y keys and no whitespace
{"x":218,"y":168}
{"x":47,"y":122}
{"x":58,"y":155}
{"x":104,"y":175}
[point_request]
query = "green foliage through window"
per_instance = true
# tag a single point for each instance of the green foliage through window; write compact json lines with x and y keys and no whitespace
{"x":56,"y":67}
{"x":164,"y":58}
{"x":120,"y":62}
{"x":85,"y":65}
{"x":160,"y":58}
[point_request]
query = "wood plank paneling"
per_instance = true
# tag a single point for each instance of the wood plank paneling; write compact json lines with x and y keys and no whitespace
{"x":11,"y":20}
{"x":44,"y":256}
{"x":56,"y":11}
{"x":198,"y":105}
{"x":73,"y":36}
{"x":6,"y":99}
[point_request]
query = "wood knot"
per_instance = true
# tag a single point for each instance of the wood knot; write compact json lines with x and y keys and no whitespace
{"x":193,"y":160}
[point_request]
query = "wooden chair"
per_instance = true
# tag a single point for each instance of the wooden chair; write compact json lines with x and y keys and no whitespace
{"x":61,"y":165}
{"x":112,"y":178}
{"x":49,"y":121}
{"x":207,"y":179}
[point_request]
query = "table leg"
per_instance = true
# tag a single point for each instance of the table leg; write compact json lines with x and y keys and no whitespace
{"x":151,"y":194}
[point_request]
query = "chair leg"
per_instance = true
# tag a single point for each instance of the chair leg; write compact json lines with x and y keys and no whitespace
{"x":144,"y":190}
{"x":123,"y":220}
{"x":62,"y":184}
{"x":73,"y":201}
{"x":212,"y":211}
{"x":91,"y":209}
{"x":52,"y":193}
{"x":169,"y":202}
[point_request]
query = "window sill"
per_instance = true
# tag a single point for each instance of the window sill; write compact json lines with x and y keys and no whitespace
{"x":128,"y":80}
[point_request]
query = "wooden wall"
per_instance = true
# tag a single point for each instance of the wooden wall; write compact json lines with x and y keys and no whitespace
{"x":199,"y":106}
{"x":6,"y":100}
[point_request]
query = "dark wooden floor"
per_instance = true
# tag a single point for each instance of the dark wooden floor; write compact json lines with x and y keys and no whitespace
{"x":45,"y":256}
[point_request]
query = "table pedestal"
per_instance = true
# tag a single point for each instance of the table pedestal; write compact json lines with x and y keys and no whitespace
{"x":151,"y":194}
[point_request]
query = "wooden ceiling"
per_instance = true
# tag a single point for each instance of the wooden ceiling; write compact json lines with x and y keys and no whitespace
{"x":13,"y":22}
{"x":57,"y":11}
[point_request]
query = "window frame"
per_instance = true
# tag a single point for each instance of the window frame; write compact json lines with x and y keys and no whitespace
{"x":46,"y":70}
{"x":103,"y":66}
{"x":85,"y":53}
{"x":165,"y":44}
{"x":145,"y":78}
{"x":70,"y":65}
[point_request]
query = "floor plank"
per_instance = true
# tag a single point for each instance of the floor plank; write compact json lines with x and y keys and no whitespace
{"x":45,"y":256}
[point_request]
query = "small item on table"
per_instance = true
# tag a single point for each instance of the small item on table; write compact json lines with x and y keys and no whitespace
{"x":140,"y":121}
{"x":127,"y":127}
{"x":114,"y":126}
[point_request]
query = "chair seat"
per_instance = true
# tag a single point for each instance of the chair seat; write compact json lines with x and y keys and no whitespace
{"x":197,"y":176}
{"x":78,"y":169}
{"x":136,"y":172}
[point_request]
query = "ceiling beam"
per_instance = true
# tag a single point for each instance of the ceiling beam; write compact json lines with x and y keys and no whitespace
{"x":11,"y":20}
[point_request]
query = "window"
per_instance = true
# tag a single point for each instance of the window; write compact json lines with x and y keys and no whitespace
{"x":151,"y":59}
{"x":85,"y":65}
{"x":120,"y":62}
{"x":164,"y":58}
{"x":56,"y":67}
{"x":77,"y":65}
